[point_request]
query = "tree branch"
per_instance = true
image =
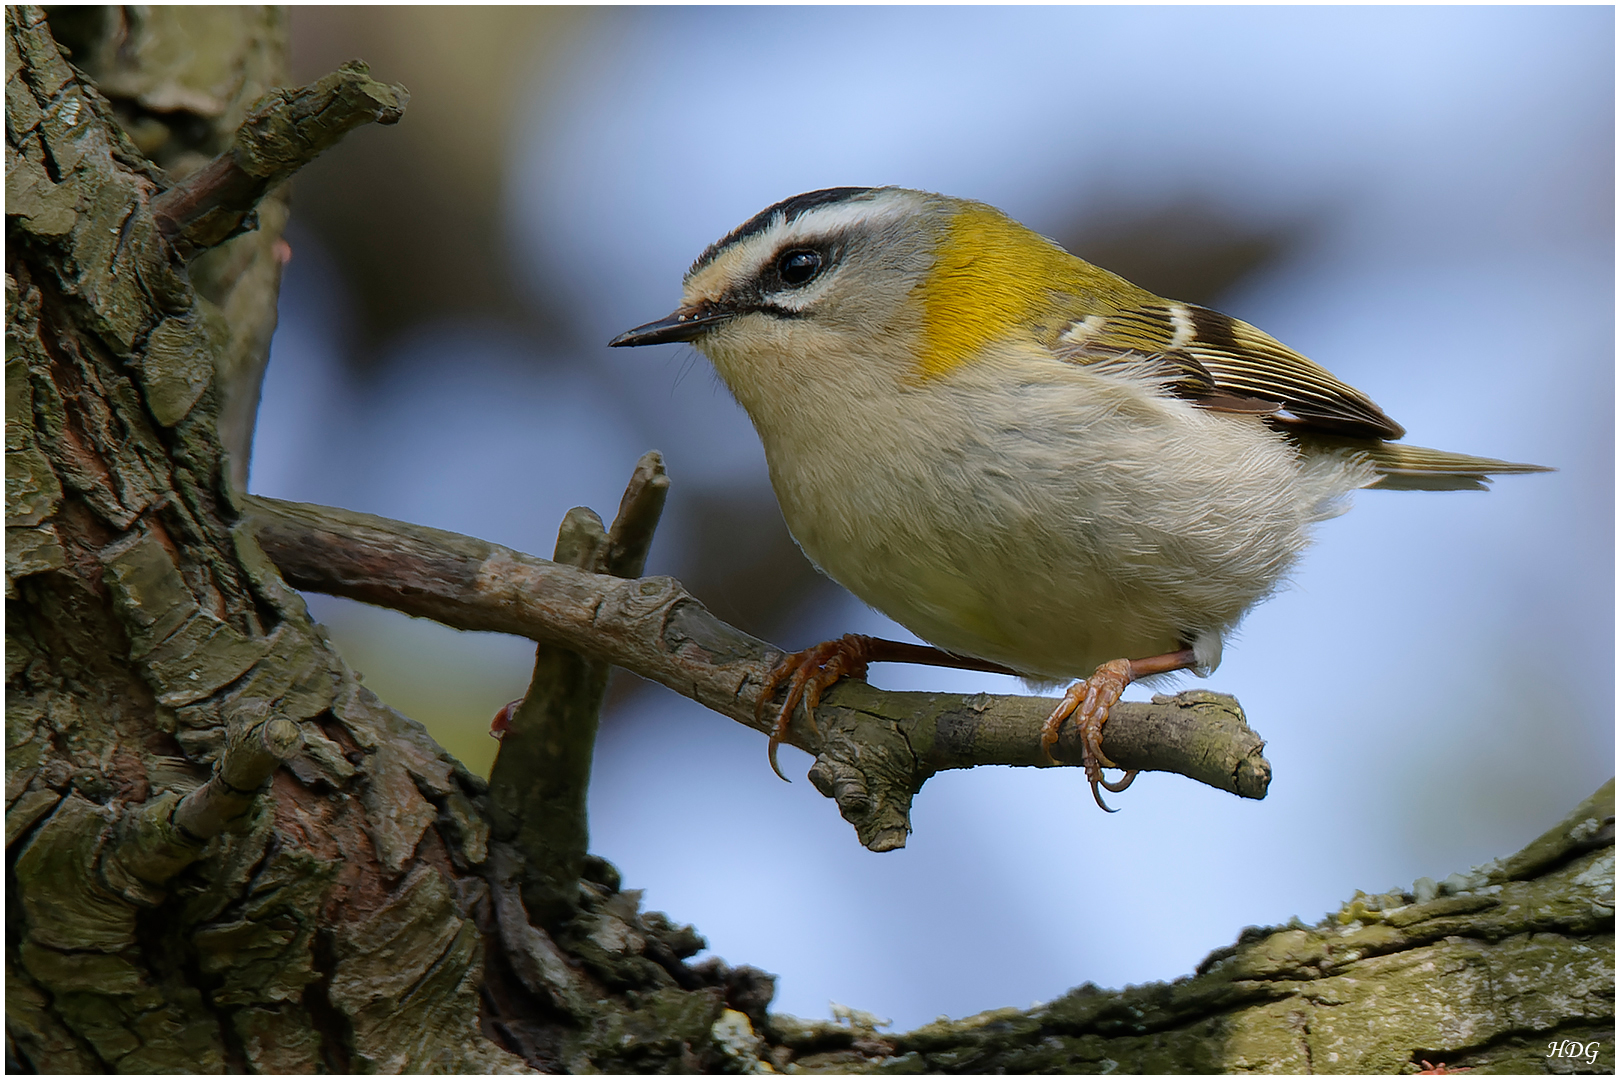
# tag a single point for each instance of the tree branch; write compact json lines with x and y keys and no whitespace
{"x":157,"y":840}
{"x":286,"y":130}
{"x":255,"y":745}
{"x":875,"y":748}
{"x":542,"y":775}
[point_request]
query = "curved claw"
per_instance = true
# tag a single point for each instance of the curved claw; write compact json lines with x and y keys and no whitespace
{"x":1122,"y":783}
{"x":773,"y":680}
{"x":770,"y":754}
{"x":1089,"y":701}
{"x":806,"y":670}
{"x":1115,"y":786}
{"x":812,"y":671}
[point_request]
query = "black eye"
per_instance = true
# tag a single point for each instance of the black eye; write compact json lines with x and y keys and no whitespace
{"x":798,"y":266}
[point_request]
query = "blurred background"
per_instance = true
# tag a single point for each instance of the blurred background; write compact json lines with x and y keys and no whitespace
{"x":1421,"y":199}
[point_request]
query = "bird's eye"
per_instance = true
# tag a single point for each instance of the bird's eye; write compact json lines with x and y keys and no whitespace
{"x":798,"y":266}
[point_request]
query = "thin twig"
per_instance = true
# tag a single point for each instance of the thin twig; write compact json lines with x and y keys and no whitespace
{"x":630,"y":537}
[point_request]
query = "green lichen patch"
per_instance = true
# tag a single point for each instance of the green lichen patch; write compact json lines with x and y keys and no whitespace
{"x":64,"y":904}
{"x":659,"y":1031}
{"x":177,"y":368}
{"x":32,"y":490}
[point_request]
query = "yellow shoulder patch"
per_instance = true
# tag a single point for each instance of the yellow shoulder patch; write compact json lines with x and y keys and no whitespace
{"x":992,"y":279}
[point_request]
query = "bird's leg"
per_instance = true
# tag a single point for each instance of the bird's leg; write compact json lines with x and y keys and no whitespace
{"x":812,"y":671}
{"x":1091,"y":699}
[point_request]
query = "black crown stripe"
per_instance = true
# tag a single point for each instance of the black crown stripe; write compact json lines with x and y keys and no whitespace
{"x":790,"y":209}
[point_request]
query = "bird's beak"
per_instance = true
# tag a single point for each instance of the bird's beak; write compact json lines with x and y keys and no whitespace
{"x":685,"y":324}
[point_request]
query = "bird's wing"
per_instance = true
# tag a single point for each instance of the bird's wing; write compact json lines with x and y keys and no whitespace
{"x":1223,"y":364}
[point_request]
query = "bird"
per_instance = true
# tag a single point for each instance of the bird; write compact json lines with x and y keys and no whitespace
{"x":1032,"y":464}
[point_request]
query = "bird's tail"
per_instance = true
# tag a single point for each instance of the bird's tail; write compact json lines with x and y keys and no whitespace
{"x":1400,"y":467}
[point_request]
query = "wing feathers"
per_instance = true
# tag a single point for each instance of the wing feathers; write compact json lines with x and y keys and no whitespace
{"x":1248,"y":361}
{"x":1226,"y":365}
{"x":1217,"y":360}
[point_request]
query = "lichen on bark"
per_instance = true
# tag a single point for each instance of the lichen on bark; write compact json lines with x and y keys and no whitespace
{"x":136,"y":632}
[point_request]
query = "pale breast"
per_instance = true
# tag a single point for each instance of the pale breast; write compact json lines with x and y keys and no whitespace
{"x":1050,"y":521}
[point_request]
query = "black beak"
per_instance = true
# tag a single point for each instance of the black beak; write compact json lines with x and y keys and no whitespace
{"x":687,"y":324}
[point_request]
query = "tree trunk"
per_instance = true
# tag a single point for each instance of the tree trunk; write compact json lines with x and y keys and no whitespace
{"x":224,"y":853}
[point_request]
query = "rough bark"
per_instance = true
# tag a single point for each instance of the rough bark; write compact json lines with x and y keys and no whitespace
{"x":180,"y":82}
{"x":224,"y":853}
{"x":165,"y":911}
{"x":140,"y":630}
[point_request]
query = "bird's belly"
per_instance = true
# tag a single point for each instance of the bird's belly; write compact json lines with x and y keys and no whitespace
{"x":1057,"y":614}
{"x":1052,"y":544}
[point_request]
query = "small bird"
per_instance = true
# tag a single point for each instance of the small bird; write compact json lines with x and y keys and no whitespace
{"x":1022,"y":458}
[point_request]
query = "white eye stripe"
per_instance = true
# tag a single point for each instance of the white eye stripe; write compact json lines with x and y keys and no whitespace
{"x":842,"y":216}
{"x":797,"y":299}
{"x":748,"y":258}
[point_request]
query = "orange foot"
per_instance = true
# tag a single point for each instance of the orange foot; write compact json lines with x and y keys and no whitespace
{"x":1093,"y":698}
{"x":809,"y":673}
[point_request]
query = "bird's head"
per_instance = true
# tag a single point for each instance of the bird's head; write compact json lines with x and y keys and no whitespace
{"x":846,"y":285}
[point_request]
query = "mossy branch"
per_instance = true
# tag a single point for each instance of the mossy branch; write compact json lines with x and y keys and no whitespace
{"x":286,"y":130}
{"x":874,"y":748}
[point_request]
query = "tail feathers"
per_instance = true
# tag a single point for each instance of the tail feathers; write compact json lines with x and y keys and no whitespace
{"x":1417,"y":468}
